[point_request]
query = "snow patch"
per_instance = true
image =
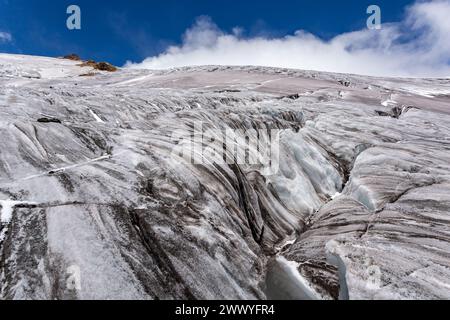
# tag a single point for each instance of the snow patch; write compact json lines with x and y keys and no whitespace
{"x":389,"y":103}
{"x":8,"y":208}
{"x":337,"y":194}
{"x":427,"y":92}
{"x":285,"y":244}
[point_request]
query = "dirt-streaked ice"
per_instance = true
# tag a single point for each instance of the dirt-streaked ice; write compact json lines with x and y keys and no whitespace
{"x":358,"y":208}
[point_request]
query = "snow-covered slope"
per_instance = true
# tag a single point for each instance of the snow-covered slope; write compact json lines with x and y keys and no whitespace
{"x":90,"y":189}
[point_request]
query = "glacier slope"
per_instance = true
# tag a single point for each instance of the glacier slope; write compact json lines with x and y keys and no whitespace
{"x":359,"y":204}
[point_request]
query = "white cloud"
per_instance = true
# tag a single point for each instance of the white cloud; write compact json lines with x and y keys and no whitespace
{"x":417,"y":46}
{"x":5,"y":37}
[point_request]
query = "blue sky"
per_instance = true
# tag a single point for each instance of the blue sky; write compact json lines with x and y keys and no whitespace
{"x":118,"y":31}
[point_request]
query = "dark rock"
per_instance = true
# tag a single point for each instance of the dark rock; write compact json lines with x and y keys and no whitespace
{"x":48,"y":120}
{"x":105,"y":66}
{"x":345,"y":83}
{"x":73,"y":57}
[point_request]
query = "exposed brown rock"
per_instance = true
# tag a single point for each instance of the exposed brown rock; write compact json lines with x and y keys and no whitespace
{"x":73,"y":57}
{"x":105,"y":66}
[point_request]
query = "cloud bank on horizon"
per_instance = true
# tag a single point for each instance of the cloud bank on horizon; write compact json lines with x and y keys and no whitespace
{"x":418,"y":46}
